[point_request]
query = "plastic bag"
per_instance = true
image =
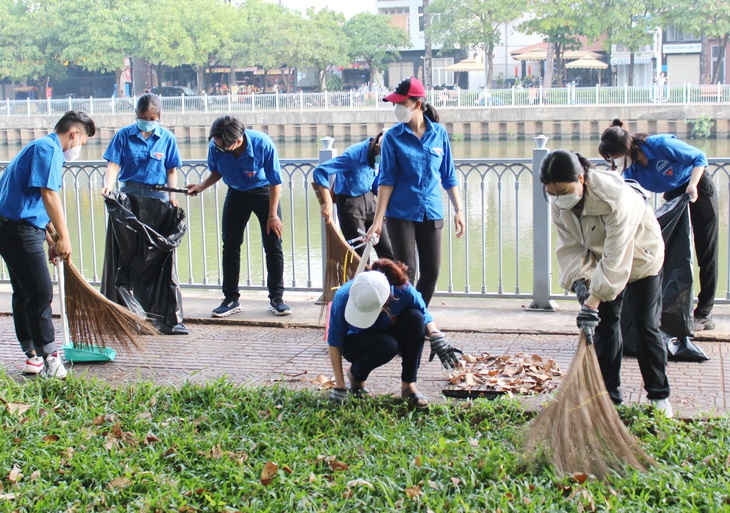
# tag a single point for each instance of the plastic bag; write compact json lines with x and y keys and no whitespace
{"x":139,"y":264}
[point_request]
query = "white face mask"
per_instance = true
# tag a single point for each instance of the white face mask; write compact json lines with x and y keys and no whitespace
{"x":402,"y":113}
{"x":567,"y":201}
{"x":73,"y":152}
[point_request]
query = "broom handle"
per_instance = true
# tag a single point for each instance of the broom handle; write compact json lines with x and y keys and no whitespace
{"x":62,"y":300}
{"x":166,"y":188}
{"x":364,"y":258}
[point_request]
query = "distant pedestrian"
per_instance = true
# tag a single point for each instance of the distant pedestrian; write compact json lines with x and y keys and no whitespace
{"x":29,"y":200}
{"x":664,"y":164}
{"x":374,"y":317}
{"x":609,"y":240}
{"x":248,"y":163}
{"x":355,"y":177}
{"x":416,"y":158}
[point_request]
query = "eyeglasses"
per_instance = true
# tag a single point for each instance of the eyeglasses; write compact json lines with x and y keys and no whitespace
{"x":221,"y":149}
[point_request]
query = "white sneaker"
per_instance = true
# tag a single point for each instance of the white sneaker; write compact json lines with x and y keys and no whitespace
{"x":54,"y":368}
{"x":663,"y":406}
{"x":33,"y":365}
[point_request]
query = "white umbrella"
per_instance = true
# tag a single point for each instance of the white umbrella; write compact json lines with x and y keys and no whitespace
{"x":467,"y":65}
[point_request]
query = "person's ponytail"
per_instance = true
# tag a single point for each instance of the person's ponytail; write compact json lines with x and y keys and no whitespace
{"x":430,"y":112}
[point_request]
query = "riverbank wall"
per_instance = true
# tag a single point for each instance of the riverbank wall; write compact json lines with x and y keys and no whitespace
{"x":564,"y":122}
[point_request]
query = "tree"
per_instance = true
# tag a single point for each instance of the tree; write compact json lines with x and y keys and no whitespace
{"x":323,"y":42}
{"x":561,"y":24}
{"x":472,"y":24}
{"x":693,"y":16}
{"x":374,"y":40}
{"x":29,"y":42}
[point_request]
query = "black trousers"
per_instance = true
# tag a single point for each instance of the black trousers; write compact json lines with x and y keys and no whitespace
{"x":369,"y":350}
{"x":21,"y":246}
{"x":357,"y":213}
{"x":645,"y":303}
{"x":237,"y":210}
{"x":422,"y":238}
{"x":704,"y":215}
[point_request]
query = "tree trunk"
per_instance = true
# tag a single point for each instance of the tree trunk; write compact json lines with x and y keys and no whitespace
{"x":427,"y":56}
{"x":705,"y":58}
{"x":200,"y":76}
{"x":559,"y":64}
{"x":720,"y":58}
{"x":232,"y":76}
{"x":322,"y":82}
{"x":549,"y":65}
{"x":42,"y":86}
{"x":121,"y":93}
{"x":490,"y":64}
{"x":632,"y":63}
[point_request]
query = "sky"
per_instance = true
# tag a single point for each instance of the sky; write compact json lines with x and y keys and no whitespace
{"x":348,"y":8}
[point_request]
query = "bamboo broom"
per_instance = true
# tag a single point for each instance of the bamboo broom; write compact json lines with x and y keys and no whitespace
{"x":341,"y":261}
{"x":580,"y":431}
{"x":93,"y":320}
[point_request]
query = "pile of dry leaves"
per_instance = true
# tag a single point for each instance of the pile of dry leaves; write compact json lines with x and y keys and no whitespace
{"x":519,"y":374}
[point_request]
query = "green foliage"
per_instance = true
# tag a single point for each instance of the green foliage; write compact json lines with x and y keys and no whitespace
{"x":323,"y":43}
{"x":700,"y":127}
{"x":471,"y":24}
{"x":85,"y":446}
{"x":373,"y":39}
{"x":334,"y":83}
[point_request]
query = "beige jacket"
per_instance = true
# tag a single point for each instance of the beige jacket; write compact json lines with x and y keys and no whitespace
{"x":616,"y":240}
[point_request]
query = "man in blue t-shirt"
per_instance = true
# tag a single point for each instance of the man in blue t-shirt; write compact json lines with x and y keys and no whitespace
{"x":29,"y":200}
{"x":248,"y":163}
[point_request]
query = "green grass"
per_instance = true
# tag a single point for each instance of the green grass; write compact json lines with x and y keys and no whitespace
{"x":80,"y":438}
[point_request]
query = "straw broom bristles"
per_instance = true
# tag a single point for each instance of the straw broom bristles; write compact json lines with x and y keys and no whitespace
{"x":94,"y":320}
{"x":580,"y":431}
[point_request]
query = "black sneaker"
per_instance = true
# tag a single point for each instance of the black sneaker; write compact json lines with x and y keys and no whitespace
{"x":278,"y":306}
{"x":227,"y":308}
{"x":704,"y":323}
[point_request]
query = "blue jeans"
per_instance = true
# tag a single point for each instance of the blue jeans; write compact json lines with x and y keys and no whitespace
{"x":21,"y":246}
{"x":237,"y":210}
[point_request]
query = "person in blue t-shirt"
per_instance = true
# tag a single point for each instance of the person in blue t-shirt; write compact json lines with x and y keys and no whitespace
{"x":664,"y":164}
{"x":139,"y":157}
{"x":355,"y":180}
{"x":415,"y":159}
{"x":375,"y":316}
{"x":29,"y":200}
{"x":248,"y":163}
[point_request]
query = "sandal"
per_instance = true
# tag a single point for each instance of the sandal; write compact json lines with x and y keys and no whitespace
{"x":416,"y":400}
{"x":360,"y":393}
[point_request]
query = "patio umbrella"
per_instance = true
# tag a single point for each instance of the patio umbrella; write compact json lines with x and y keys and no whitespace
{"x":467,"y":65}
{"x":533,"y":55}
{"x":588,"y":62}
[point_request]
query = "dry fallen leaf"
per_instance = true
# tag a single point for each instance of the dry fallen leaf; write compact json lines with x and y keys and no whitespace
{"x":337,"y":465}
{"x":473,"y":442}
{"x":456,"y":481}
{"x":360,"y":482}
{"x":580,"y":477}
{"x":36,"y":474}
{"x":17,"y":408}
{"x":15,"y":474}
{"x":51,"y":438}
{"x":120,"y":482}
{"x":417,"y":462}
{"x":414,"y":492}
{"x":151,"y":438}
{"x":268,"y":473}
{"x":7,"y":496}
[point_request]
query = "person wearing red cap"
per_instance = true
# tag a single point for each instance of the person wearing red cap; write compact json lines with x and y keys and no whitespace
{"x":415,"y":158}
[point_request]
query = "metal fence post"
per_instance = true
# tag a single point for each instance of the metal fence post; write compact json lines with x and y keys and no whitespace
{"x":541,"y":268}
{"x":327,"y":152}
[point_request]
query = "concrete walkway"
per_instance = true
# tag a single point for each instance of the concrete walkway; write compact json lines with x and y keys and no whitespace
{"x":254,"y":347}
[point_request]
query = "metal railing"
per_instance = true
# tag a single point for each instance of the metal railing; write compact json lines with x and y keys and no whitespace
{"x":356,"y":100}
{"x":505,"y":248}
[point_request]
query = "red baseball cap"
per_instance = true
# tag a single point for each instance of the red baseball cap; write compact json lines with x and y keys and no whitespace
{"x":407,"y":88}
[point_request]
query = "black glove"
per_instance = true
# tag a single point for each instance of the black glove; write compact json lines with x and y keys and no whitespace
{"x":581,"y":290}
{"x":587,"y":321}
{"x":338,"y":395}
{"x":445,"y":351}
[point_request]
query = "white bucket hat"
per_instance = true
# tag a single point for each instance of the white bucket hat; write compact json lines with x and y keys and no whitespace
{"x":369,"y":291}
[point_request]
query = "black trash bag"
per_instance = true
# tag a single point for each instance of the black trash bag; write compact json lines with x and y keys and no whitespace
{"x":683,"y":349}
{"x":139,"y":265}
{"x":677,"y":324}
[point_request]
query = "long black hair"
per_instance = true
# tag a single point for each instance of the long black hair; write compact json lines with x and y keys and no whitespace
{"x":563,"y":166}
{"x":146,"y":102}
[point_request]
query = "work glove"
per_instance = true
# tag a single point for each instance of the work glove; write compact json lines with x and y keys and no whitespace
{"x":445,"y":351}
{"x":338,"y":395}
{"x":587,"y":321}
{"x":581,"y":291}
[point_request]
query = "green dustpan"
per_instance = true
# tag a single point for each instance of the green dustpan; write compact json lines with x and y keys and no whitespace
{"x":74,"y":353}
{"x":88,"y":354}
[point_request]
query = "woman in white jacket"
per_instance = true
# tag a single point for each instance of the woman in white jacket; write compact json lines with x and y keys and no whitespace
{"x":609,"y":240}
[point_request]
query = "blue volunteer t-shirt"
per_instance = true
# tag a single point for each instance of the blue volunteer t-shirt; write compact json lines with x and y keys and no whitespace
{"x":670,"y":163}
{"x":402,"y":298}
{"x":38,"y":165}
{"x":354,"y":176}
{"x":256,"y":167}
{"x":143,"y":160}
{"x":414,"y":168}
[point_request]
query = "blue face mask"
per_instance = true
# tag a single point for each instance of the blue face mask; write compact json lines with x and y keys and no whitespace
{"x":378,"y":159}
{"x":147,"y":126}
